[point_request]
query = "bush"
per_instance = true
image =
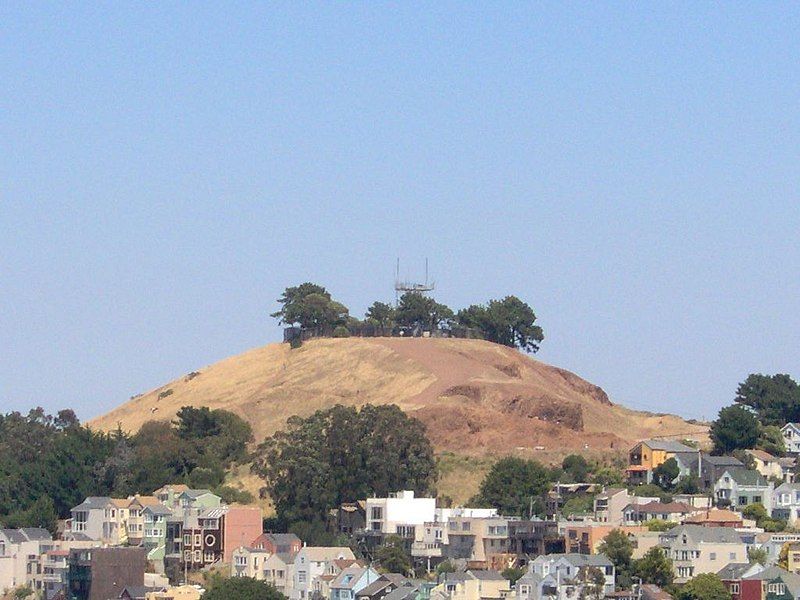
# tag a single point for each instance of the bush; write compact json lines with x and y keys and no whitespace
{"x":341,"y":332}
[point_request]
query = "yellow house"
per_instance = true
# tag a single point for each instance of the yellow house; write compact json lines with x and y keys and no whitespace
{"x":652,"y":453}
{"x":472,"y":585}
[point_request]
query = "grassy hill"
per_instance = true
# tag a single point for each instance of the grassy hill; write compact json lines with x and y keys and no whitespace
{"x":477,"y":399}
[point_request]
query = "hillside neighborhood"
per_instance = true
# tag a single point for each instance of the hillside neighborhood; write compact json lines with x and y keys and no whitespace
{"x":626,"y":545}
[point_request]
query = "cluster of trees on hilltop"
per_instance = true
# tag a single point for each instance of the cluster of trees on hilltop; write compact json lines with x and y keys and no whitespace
{"x":50,"y":463}
{"x":508,"y":321}
{"x":763,"y":404}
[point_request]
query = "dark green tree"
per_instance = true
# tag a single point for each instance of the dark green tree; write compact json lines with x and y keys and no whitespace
{"x":576,"y":468}
{"x":770,"y":440}
{"x":775,"y":398}
{"x":509,"y":321}
{"x":654,"y":567}
{"x":415,"y":309}
{"x":512,"y":574}
{"x":735,"y":427}
{"x":241,"y":588}
{"x":513,"y":484}
{"x":392,"y":556}
{"x":381,"y":314}
{"x":706,"y":586}
{"x":310,"y":306}
{"x":618,"y":547}
{"x":342,"y":454}
{"x":665,"y":473}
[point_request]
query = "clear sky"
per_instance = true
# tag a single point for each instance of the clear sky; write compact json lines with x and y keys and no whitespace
{"x":629,"y":169}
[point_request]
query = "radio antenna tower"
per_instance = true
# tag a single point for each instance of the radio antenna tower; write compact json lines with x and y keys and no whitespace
{"x":403,"y":286}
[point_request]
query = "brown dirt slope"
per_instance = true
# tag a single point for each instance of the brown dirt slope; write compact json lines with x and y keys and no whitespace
{"x":476,"y":398}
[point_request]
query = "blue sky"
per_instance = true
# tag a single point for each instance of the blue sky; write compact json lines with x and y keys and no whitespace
{"x":629,"y":169}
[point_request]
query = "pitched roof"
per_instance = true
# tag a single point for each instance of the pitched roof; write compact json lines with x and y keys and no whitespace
{"x":14,"y":536}
{"x":195,"y":493}
{"x":36,"y":534}
{"x":157,"y":509}
{"x":762,"y":455}
{"x":714,"y":515}
{"x":93,"y":503}
{"x":402,"y":593}
{"x":719,"y":535}
{"x":326,"y":553}
{"x":733,"y":571}
{"x":747,"y":477}
{"x":668,"y":446}
{"x":722,"y":461}
{"x":376,"y":586}
{"x":653,"y":592}
{"x":349,"y":577}
{"x":581,"y":560}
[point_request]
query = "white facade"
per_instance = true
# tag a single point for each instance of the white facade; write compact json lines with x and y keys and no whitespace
{"x":400,"y":513}
{"x":309,"y":564}
{"x":791,"y":437}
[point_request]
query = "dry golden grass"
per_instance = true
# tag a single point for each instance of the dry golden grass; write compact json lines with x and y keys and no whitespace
{"x":477,"y":400}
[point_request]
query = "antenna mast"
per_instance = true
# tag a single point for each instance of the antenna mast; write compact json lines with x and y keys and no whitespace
{"x":403,"y":286}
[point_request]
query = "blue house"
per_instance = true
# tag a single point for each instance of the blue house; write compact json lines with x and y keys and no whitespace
{"x":350,"y":581}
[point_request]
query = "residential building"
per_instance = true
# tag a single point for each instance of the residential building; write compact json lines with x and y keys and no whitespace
{"x":103,"y":573}
{"x":649,"y":454}
{"x":180,"y":592}
{"x":382,"y":587}
{"x":715,"y":517}
{"x":733,"y":578}
{"x":20,"y":557}
{"x":776,"y":584}
{"x":249,"y":562}
{"x":695,"y":549}
{"x":278,"y":570}
{"x":280,"y":543}
{"x":482,"y":542}
{"x":609,"y":505}
{"x":766,"y":464}
{"x":309,"y":564}
{"x":586,"y":538}
{"x":786,"y":502}
{"x":401,"y":513}
{"x":739,"y":487}
{"x":154,"y":539}
{"x":350,"y":581}
{"x":791,"y":437}
{"x":349,"y":518}
{"x":658,"y":511}
{"x":532,"y":538}
{"x":169,"y":494}
{"x":135,"y":525}
{"x":774,"y":543}
{"x":559,"y":575}
{"x":100,"y":518}
{"x":472,"y":585}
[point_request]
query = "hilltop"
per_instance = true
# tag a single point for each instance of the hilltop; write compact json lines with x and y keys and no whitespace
{"x":476,"y":398}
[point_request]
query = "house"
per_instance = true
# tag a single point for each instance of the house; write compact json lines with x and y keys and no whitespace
{"x":309,"y":564}
{"x":776,"y":584}
{"x":20,"y":557}
{"x":331,"y":571}
{"x":559,"y":575}
{"x":774,"y":543}
{"x":482,"y":541}
{"x":532,"y":538}
{"x":249,"y":562}
{"x":695,"y":549}
{"x":650,"y":454}
{"x":715,"y":517}
{"x":350,"y":581}
{"x":154,"y":539}
{"x":739,"y":487}
{"x":135,"y":524}
{"x":658,"y":511}
{"x":103,"y":573}
{"x":137,"y":592}
{"x":732,"y":576}
{"x":766,"y":464}
{"x":786,"y":502}
{"x":471,"y":585}
{"x":791,"y":437}
{"x":401,"y":514}
{"x":280,"y":543}
{"x":586,"y":538}
{"x":649,"y":591}
{"x":100,"y":518}
{"x":278,"y":570}
{"x":609,"y":505}
{"x":382,"y":587}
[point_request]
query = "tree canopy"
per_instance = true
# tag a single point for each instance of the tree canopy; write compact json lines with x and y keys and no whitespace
{"x":392,"y":556}
{"x":706,"y":586}
{"x":342,"y":454}
{"x":509,"y":321}
{"x":513,"y":484}
{"x":654,"y":567}
{"x":619,"y":549}
{"x":415,"y":309}
{"x":310,"y":306}
{"x":241,"y":588}
{"x":735,"y":427}
{"x":774,"y":398}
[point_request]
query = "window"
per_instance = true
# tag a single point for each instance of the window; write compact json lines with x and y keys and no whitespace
{"x":376,"y":512}
{"x":743,"y":500}
{"x":734,"y":588}
{"x":712,"y":556}
{"x":465,"y":526}
{"x":732,"y":556}
{"x":756,"y":499}
{"x":301,"y":577}
{"x":525,"y":589}
{"x":197,"y":540}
